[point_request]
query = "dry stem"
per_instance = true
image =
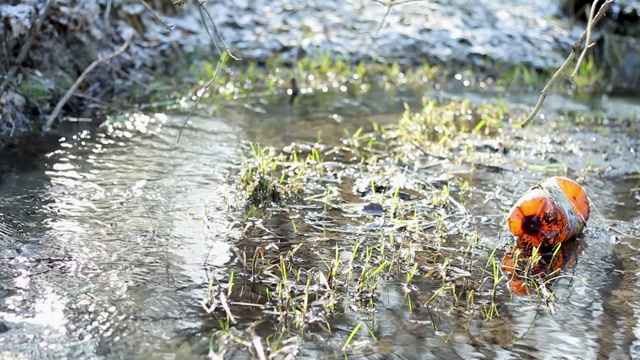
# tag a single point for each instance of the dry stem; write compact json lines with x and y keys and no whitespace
{"x":578,"y":46}
{"x":390,"y":4}
{"x":202,"y":8}
{"x":588,"y":38}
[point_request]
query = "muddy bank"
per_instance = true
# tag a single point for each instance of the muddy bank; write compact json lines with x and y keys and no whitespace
{"x":470,"y":32}
{"x":49,"y":44}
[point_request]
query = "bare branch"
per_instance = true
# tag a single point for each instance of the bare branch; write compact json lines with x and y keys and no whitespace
{"x":225,"y":305}
{"x":588,"y":38}
{"x":545,"y":90}
{"x":164,"y":23}
{"x":389,"y":4}
{"x":201,"y":93}
{"x":603,"y":10}
{"x":215,"y":27}
{"x":575,"y":48}
{"x":259,"y":348}
{"x":223,"y":59}
{"x":86,"y":71}
{"x":208,"y":31}
{"x":384,"y":19}
{"x":107,"y":13}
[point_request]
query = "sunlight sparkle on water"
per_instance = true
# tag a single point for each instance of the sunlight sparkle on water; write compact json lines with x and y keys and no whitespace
{"x":48,"y":311}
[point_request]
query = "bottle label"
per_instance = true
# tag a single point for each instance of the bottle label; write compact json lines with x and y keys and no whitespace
{"x":553,"y":189}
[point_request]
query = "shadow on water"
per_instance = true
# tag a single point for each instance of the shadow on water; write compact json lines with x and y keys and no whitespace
{"x":107,"y":243}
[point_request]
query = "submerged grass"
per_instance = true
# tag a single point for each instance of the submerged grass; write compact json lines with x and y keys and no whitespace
{"x":333,"y":234}
{"x":326,"y":72}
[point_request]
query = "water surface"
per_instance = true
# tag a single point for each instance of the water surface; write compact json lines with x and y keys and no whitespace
{"x":108,"y":240}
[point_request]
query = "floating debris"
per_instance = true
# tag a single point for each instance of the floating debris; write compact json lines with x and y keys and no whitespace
{"x":551,"y":212}
{"x":546,"y":221}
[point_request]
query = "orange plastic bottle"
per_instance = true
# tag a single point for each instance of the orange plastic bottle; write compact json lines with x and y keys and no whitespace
{"x":549,"y":213}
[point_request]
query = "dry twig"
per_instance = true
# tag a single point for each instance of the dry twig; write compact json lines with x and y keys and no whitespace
{"x":390,"y":4}
{"x":200,"y":94}
{"x":215,"y":27}
{"x":86,"y":71}
{"x":157,"y":16}
{"x":221,"y":62}
{"x":588,"y":38}
{"x":257,"y":344}
{"x":578,"y":46}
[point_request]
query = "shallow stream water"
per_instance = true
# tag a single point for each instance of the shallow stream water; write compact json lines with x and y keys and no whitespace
{"x":107,"y":242}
